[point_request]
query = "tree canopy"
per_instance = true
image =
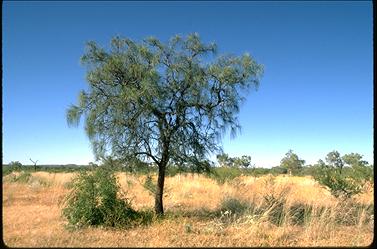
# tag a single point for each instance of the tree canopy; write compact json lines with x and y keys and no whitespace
{"x":226,"y":161}
{"x":159,"y":102}
{"x":292,"y":162}
{"x":334,"y":159}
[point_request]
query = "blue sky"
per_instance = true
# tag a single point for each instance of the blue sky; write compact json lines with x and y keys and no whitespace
{"x":316,"y":94}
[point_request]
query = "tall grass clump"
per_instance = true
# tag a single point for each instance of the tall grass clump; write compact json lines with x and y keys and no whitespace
{"x":234,"y":205}
{"x":95,"y":199}
{"x":150,"y":185}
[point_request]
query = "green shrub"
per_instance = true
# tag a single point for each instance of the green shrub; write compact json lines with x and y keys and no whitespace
{"x":363,"y":172}
{"x":340,"y":185}
{"x":6,"y":170}
{"x":15,"y":165}
{"x":259,"y":171}
{"x":278,"y":170}
{"x":94,"y":200}
{"x":223,"y":174}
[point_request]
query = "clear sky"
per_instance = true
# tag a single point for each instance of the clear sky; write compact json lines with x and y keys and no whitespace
{"x":316,"y":94}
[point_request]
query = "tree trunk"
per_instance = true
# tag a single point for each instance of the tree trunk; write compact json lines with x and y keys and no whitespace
{"x":158,"y":204}
{"x":165,"y":142}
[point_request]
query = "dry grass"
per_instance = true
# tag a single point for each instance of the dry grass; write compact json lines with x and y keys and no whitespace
{"x":32,"y":218}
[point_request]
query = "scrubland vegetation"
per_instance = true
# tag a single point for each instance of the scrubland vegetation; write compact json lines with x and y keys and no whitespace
{"x":201,"y":210}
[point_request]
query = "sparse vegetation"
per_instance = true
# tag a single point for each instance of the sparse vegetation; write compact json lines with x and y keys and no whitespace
{"x":319,"y":200}
{"x":246,"y":211}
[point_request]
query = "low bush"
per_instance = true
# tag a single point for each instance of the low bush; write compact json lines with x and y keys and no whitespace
{"x":340,"y":185}
{"x":6,"y":170}
{"x":278,"y":170}
{"x":95,"y":199}
{"x":223,"y":174}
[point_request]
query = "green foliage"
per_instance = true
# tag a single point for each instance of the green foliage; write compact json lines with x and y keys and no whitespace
{"x":243,"y":161}
{"x":222,"y":174}
{"x":278,"y":170}
{"x":259,"y":171}
{"x":6,"y":170}
{"x":16,"y":165}
{"x":347,"y":181}
{"x":94,"y":200}
{"x":308,"y":170}
{"x":149,"y":185}
{"x":339,"y":184}
{"x":237,"y":162}
{"x":145,"y":95}
{"x":353,"y":159}
{"x":223,"y":159}
{"x":292,"y":162}
{"x":161,"y":102}
{"x":363,"y":172}
{"x":173,"y":170}
{"x":359,"y":168}
{"x":334,"y":160}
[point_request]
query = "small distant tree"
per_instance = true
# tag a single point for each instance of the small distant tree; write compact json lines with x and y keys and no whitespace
{"x":236,"y":162}
{"x":354,"y":160}
{"x":292,"y":162}
{"x":343,"y":183}
{"x":320,"y":163}
{"x":360,"y":168}
{"x":93,"y":165}
{"x":243,"y":161}
{"x":35,"y":164}
{"x":161,"y":102}
{"x":223,"y":159}
{"x":334,"y":159}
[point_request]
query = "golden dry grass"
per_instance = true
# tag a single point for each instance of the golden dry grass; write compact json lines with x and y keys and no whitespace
{"x":32,"y":214}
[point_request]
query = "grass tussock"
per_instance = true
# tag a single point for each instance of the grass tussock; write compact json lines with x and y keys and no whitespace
{"x":200,"y":211}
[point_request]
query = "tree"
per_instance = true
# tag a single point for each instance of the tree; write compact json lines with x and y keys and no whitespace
{"x":226,"y":161}
{"x":161,"y":102}
{"x":223,"y":159}
{"x":92,"y":165}
{"x":334,"y":160}
{"x":243,"y":161}
{"x":360,"y":168}
{"x":35,"y":164}
{"x":292,"y":162}
{"x":354,"y":159}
